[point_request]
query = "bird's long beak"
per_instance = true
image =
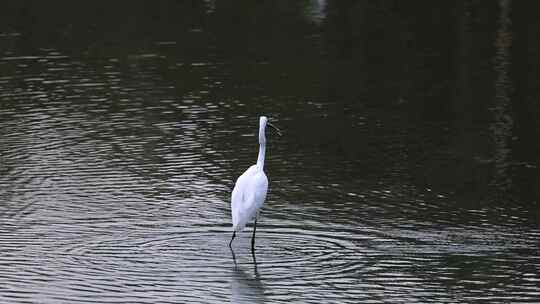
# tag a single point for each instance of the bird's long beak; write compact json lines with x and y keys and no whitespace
{"x":275,"y":128}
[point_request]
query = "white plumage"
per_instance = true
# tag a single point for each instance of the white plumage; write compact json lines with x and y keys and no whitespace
{"x":248,"y":196}
{"x":250,"y":190}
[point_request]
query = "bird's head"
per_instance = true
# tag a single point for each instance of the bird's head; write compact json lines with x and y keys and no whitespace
{"x":263,"y":122}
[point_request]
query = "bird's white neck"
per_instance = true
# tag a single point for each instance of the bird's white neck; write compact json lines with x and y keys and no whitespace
{"x":262,"y":147}
{"x":260,"y":159}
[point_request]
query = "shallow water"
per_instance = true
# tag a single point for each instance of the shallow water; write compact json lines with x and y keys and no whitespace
{"x":117,"y":166}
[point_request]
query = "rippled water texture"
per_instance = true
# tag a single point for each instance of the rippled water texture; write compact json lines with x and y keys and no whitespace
{"x":116,"y":169}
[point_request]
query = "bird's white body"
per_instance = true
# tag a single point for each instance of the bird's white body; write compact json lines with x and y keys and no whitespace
{"x":248,"y":196}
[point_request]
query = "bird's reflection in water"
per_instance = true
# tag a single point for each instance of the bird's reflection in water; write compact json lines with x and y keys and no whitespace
{"x":246,"y":287}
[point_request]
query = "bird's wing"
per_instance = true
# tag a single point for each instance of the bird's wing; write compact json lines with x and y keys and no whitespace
{"x":248,"y":196}
{"x":238,"y":199}
{"x":260,"y":184}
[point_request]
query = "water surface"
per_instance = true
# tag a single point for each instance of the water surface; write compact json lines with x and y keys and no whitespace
{"x":119,"y":150}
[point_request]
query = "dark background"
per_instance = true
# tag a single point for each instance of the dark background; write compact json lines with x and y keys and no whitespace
{"x":454,"y":87}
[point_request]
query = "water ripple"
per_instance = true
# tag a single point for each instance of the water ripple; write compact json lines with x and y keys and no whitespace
{"x":115,"y":187}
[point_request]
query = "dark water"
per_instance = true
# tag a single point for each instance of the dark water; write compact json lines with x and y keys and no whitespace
{"x":407,"y":173}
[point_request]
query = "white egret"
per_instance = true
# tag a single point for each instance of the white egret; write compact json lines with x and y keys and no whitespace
{"x":250,"y":189}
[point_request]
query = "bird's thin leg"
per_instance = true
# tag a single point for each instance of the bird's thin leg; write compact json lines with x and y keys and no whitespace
{"x":233,"y":257}
{"x":253,"y":237}
{"x":255,"y":264}
{"x":233,"y":236}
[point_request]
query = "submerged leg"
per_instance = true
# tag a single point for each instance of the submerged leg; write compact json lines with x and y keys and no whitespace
{"x":233,"y":236}
{"x":253,"y":236}
{"x":233,"y":256}
{"x":255,"y":264}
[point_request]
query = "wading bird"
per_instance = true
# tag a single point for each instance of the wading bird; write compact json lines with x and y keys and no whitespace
{"x":250,"y":189}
